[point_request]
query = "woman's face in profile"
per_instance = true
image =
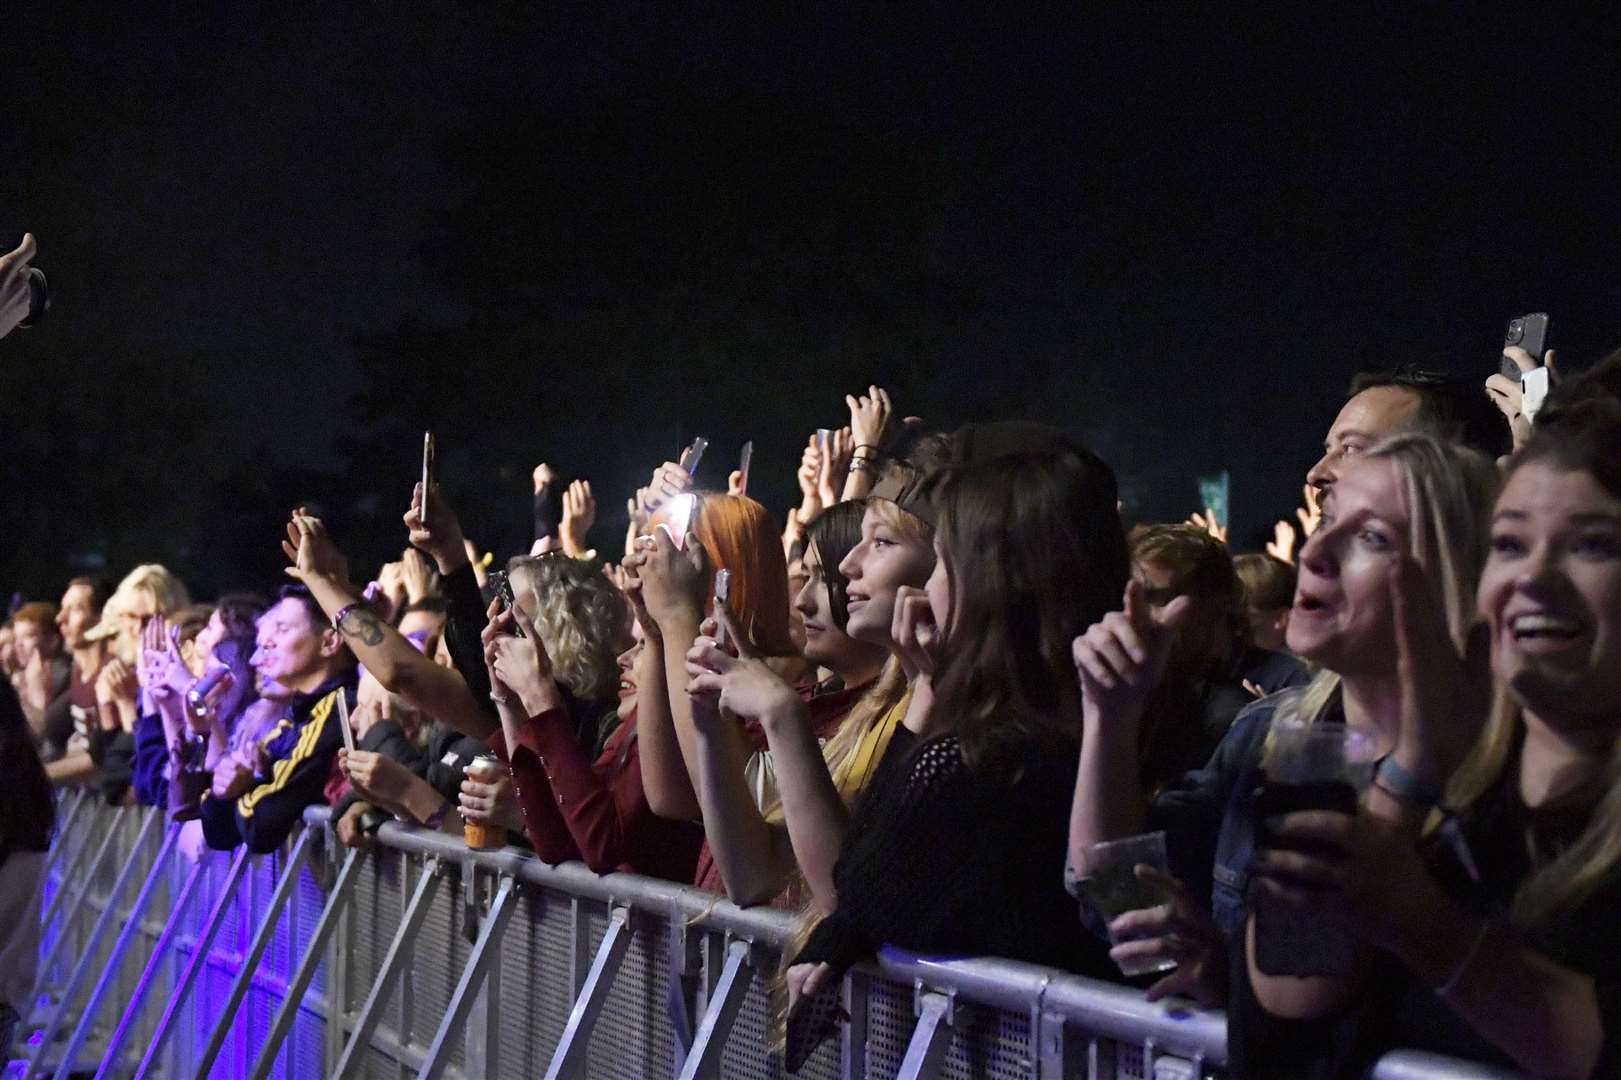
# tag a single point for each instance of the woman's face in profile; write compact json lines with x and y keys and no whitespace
{"x":1342,"y":616}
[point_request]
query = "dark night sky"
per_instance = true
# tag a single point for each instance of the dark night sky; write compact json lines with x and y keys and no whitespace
{"x":1177,"y":233}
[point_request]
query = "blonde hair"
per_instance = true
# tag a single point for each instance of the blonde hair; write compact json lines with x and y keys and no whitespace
{"x":581,"y":618}
{"x":1448,"y":490}
{"x":167,"y":593}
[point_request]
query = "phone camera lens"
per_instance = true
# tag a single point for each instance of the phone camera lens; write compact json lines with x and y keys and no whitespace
{"x":1516,"y":332}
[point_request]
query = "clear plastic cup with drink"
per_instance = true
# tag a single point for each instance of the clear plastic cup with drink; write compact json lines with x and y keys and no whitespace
{"x":1112,"y":886}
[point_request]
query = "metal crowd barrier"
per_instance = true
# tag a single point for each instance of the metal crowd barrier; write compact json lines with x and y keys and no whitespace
{"x":423,"y":958}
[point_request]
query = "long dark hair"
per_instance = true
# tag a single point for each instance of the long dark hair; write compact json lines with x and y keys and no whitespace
{"x":1035,"y":553}
{"x":833,"y":533}
{"x":27,"y":812}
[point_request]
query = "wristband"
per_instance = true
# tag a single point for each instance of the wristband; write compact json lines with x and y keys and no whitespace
{"x":864,"y":446}
{"x":1418,"y":793}
{"x":861,"y":464}
{"x":347,"y":610}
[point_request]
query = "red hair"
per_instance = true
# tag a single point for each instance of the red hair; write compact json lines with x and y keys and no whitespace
{"x":740,"y":535}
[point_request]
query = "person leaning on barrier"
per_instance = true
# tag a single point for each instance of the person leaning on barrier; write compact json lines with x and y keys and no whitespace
{"x":27,"y":818}
{"x":951,"y":849}
{"x":580,"y":798}
{"x":304,"y":653}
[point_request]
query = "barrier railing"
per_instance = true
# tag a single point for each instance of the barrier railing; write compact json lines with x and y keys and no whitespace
{"x":423,"y":958}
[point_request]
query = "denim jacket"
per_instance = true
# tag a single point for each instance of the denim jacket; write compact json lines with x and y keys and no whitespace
{"x":1209,"y":816}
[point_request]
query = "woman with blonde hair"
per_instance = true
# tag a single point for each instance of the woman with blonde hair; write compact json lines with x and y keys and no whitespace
{"x":147,"y":590}
{"x":1497,"y":935}
{"x":1408,"y":499}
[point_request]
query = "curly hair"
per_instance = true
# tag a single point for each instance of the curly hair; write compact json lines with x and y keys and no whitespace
{"x":582,"y":620}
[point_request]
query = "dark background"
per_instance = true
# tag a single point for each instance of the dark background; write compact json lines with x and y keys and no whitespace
{"x":286,"y":238}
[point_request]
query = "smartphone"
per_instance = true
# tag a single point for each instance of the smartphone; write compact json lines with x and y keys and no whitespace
{"x":678,"y":515}
{"x":694,"y":454}
{"x":723,"y":595}
{"x":427,"y":471}
{"x":343,"y":720}
{"x":1529,"y":332}
{"x":39,"y":297}
{"x":743,"y":467}
{"x":824,"y":441}
{"x":501,"y":585}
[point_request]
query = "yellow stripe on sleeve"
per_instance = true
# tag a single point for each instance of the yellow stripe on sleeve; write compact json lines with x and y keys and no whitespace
{"x":281,"y":771}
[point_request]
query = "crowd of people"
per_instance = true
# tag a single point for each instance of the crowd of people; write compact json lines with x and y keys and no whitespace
{"x":927,"y":706}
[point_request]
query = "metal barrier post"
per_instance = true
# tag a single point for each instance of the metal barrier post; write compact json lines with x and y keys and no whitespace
{"x":72,"y":908}
{"x":132,"y":924}
{"x":489,"y":939}
{"x":1057,"y":1056}
{"x":342,"y":890}
{"x":71,"y":819}
{"x":853,"y":1047}
{"x":133,"y":1009}
{"x":250,"y":962}
{"x":395,"y":961}
{"x":929,"y":1039}
{"x":568,"y":1061}
{"x":82,"y":968}
{"x":685,"y":956}
{"x":199,"y":957}
{"x":736,"y":977}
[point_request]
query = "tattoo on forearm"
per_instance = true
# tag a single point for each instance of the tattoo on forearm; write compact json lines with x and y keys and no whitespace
{"x":362,"y":625}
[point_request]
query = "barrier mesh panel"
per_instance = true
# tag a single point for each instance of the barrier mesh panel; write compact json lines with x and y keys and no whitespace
{"x":535,"y":988}
{"x":633,"y":1037}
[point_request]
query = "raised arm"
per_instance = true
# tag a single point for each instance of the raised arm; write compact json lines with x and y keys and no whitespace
{"x":815,"y":815}
{"x":387,"y":654}
{"x":668,"y":588}
{"x":1120,"y":661}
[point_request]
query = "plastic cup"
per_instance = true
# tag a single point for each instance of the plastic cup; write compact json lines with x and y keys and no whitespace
{"x":1113,"y":887}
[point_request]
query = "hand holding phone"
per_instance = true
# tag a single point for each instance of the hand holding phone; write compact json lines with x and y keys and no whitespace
{"x":723,"y":594}
{"x":692,"y":455}
{"x":1529,"y":332}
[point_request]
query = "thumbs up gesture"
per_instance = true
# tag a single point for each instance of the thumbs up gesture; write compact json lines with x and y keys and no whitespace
{"x":1121,"y":658}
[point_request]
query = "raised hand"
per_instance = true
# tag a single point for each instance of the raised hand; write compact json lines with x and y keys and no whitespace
{"x":1505,"y":392}
{"x":543,"y":477}
{"x":1121,"y":658}
{"x":579,"y":514}
{"x":1282,"y":545}
{"x":1444,"y":696}
{"x":419,"y":577}
{"x":311,"y":551}
{"x":1209,"y":523}
{"x":161,"y":671}
{"x":519,"y":666}
{"x":441,"y":534}
{"x":810,"y":468}
{"x":739,"y":686}
{"x":1310,"y":514}
{"x":15,"y":292}
{"x":832,"y":467}
{"x":669,"y":480}
{"x":674,"y":581}
{"x":870,"y":416}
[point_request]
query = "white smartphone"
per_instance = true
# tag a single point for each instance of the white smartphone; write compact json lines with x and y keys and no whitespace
{"x":343,"y":720}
